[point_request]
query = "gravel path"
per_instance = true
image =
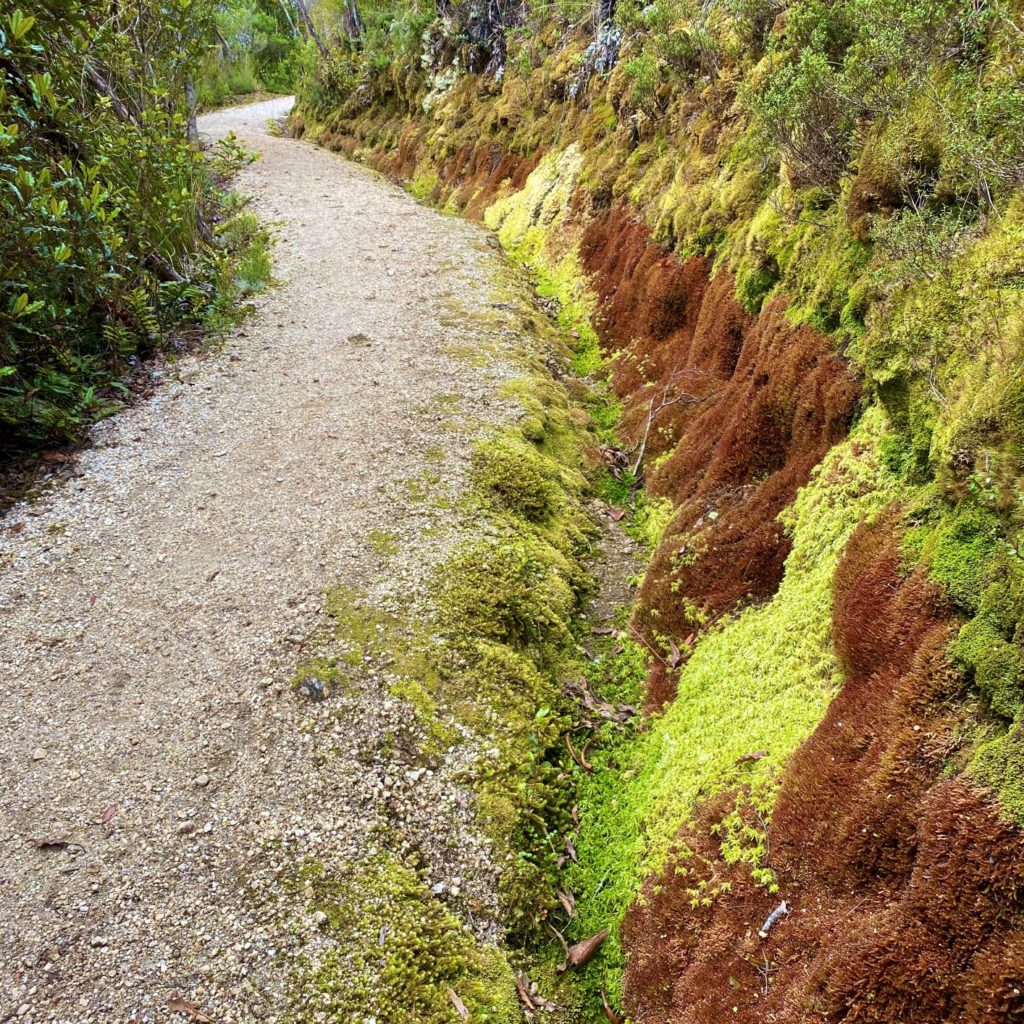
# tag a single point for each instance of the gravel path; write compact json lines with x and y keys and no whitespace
{"x":155,"y":608}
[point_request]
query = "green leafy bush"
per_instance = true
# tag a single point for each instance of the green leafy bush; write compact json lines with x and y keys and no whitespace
{"x":107,"y":242}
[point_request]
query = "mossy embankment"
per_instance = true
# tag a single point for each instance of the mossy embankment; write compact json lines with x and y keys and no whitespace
{"x":810,"y":349}
{"x":480,"y":664}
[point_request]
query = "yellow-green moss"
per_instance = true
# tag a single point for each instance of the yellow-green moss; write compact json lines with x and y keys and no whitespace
{"x":762,"y":681}
{"x":394,"y":953}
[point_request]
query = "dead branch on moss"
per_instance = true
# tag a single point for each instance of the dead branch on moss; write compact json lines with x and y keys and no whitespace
{"x":659,"y":404}
{"x":612,"y":1016}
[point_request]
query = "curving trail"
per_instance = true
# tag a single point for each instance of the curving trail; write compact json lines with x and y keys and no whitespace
{"x":155,"y":608}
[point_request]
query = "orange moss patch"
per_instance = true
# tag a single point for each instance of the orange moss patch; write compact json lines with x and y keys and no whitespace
{"x":906,"y":887}
{"x":737,"y":412}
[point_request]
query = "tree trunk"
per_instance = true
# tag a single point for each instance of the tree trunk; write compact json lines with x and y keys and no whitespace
{"x":190,"y":102}
{"x":352,"y":22}
{"x":304,"y":11}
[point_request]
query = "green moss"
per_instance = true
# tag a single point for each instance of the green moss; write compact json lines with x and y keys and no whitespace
{"x":998,"y":763}
{"x":759,"y":682}
{"x":753,"y":283}
{"x":515,"y":472}
{"x":359,"y":627}
{"x":989,"y":646}
{"x":958,"y":550}
{"x":384,"y":542}
{"x":393,"y":952}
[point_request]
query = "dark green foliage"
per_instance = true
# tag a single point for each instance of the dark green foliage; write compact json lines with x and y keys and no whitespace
{"x":107,"y":244}
{"x":256,"y":46}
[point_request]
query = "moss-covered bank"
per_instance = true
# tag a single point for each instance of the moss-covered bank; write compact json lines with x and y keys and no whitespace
{"x":785,"y":262}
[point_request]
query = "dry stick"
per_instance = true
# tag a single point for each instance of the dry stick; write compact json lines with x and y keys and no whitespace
{"x":684,"y":398}
{"x":288,"y":15}
{"x":581,"y":761}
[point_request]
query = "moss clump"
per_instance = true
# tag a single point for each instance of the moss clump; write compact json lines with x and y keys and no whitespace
{"x":989,"y":647}
{"x":506,"y":607}
{"x":510,"y":591}
{"x":384,"y":542}
{"x":998,"y":763}
{"x":760,"y":682}
{"x":394,"y":953}
{"x":360,"y":627}
{"x":958,"y":548}
{"x":515,"y":472}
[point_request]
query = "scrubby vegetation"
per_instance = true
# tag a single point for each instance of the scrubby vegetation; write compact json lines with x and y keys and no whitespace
{"x":794,"y":231}
{"x":256,"y":46}
{"x":120,"y":236}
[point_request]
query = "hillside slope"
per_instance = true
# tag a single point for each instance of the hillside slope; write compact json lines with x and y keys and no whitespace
{"x":795,"y":233}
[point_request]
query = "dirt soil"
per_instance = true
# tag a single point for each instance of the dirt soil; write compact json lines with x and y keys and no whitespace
{"x":155,"y":609}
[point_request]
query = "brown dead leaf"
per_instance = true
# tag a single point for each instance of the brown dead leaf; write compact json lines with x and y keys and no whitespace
{"x":54,"y":458}
{"x":604,"y":631}
{"x":53,"y":843}
{"x":523,"y":991}
{"x":571,"y":851}
{"x":107,"y":814}
{"x":568,"y":901}
{"x":460,"y":1006}
{"x":615,"y":514}
{"x":676,"y":656}
{"x":17,"y":527}
{"x":186,"y":1006}
{"x":581,"y":953}
{"x":612,"y":1016}
{"x":755,"y":756}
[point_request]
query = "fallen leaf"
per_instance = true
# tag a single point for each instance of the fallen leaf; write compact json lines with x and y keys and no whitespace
{"x":92,"y":600}
{"x":530,"y":998}
{"x":52,"y":843}
{"x":568,"y":902}
{"x":459,"y":1005}
{"x":755,"y":756}
{"x":571,"y":851}
{"x":523,"y":991}
{"x":54,"y":457}
{"x":108,"y":813}
{"x":604,"y":631}
{"x":581,"y":953}
{"x":176,"y":1003}
{"x":615,"y":514}
{"x":676,"y":655}
{"x":17,"y":527}
{"x":612,"y":1016}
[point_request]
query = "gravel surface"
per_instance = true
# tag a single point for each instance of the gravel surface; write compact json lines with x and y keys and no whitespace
{"x":155,"y":608}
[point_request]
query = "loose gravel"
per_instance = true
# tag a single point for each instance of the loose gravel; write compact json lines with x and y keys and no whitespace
{"x":155,"y":608}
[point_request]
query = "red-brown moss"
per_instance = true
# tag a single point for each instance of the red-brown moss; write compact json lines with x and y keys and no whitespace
{"x":744,"y":408}
{"x":906,"y":886}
